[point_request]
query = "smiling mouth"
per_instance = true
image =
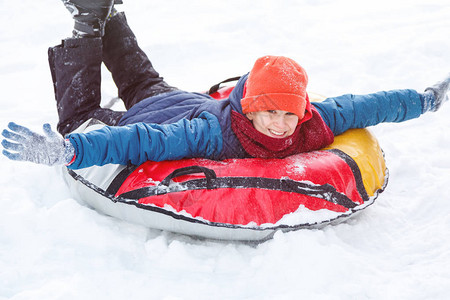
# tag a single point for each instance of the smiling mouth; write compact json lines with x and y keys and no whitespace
{"x":277,"y":133}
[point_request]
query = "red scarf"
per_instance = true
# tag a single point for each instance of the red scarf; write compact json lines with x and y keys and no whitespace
{"x":310,"y":134}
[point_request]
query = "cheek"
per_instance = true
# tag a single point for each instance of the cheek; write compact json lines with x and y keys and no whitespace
{"x":259,"y":123}
{"x":262,"y":120}
{"x":293,"y":121}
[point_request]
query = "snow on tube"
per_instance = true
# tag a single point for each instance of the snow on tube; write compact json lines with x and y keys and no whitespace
{"x":239,"y":199}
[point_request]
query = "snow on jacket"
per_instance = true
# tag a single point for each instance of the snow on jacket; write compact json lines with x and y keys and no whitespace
{"x":181,"y":124}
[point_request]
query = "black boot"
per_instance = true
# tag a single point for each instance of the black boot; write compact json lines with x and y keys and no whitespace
{"x":90,"y":16}
{"x":75,"y":66}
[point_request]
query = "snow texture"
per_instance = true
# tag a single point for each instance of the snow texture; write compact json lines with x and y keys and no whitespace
{"x":53,"y":247}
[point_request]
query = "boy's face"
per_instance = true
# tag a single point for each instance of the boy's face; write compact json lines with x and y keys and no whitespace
{"x":274,"y":123}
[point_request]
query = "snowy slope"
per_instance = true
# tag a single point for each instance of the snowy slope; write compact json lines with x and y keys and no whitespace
{"x":53,"y":247}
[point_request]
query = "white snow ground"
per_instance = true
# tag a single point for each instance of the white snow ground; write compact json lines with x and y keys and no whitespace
{"x":53,"y":247}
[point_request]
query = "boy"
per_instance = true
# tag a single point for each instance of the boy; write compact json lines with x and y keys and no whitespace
{"x":268,"y":114}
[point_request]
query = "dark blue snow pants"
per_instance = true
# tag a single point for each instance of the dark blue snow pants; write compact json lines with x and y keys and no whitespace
{"x":75,"y":66}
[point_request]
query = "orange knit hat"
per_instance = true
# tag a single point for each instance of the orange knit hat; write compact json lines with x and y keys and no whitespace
{"x":276,"y":83}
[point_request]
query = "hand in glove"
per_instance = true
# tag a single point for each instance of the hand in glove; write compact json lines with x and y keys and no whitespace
{"x":436,"y":95}
{"x":49,"y":149}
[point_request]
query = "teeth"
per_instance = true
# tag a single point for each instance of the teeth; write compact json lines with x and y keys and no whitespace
{"x":276,"y":133}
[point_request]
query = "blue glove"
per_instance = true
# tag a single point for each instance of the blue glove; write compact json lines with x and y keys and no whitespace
{"x":49,"y":149}
{"x":436,"y":95}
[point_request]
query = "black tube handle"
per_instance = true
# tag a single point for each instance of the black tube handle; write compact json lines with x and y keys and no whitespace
{"x":209,"y":174}
{"x":216,"y":87}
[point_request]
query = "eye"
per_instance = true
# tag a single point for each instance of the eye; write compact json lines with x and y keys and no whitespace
{"x":272,"y":111}
{"x":290,"y":114}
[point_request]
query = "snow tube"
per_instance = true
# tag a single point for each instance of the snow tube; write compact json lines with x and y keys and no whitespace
{"x":239,"y":199}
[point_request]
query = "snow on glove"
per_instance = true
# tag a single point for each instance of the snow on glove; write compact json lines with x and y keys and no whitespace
{"x":436,"y":95}
{"x":49,"y":149}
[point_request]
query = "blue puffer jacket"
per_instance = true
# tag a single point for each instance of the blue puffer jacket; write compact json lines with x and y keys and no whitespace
{"x":180,"y":124}
{"x":180,"y":105}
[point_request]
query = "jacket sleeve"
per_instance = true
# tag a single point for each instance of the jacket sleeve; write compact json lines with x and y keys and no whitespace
{"x":137,"y":143}
{"x":360,"y":111}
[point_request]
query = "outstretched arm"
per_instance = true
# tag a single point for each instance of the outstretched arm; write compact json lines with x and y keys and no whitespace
{"x":360,"y":111}
{"x":136,"y":143}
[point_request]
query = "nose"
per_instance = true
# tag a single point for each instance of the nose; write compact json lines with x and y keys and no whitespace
{"x":280,"y":122}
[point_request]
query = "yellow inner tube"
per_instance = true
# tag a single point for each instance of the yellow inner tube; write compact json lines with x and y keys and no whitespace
{"x":364,"y":149}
